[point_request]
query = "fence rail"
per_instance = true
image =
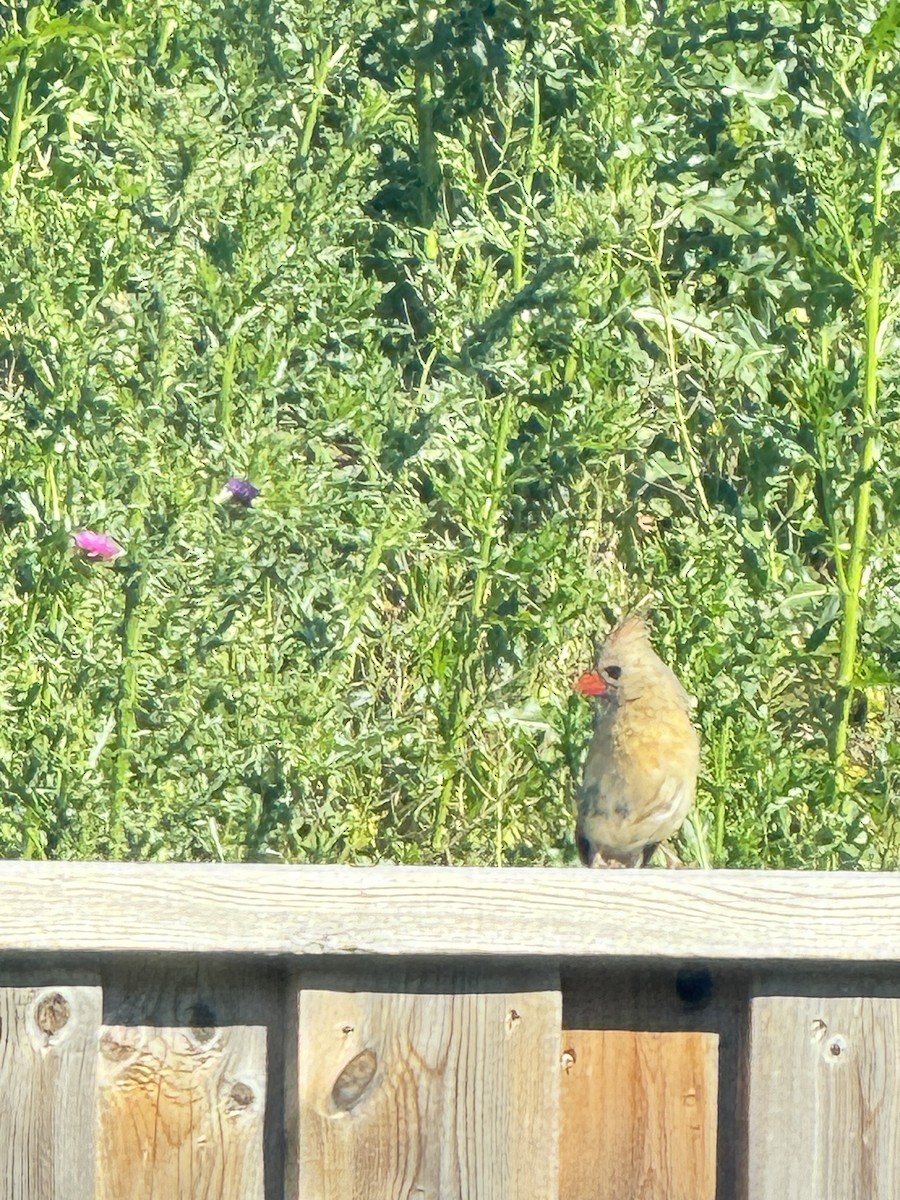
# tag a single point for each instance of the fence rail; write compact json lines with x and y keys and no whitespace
{"x":336,"y":1033}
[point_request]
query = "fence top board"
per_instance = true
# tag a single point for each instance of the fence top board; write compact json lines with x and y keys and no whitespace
{"x":559,"y":913}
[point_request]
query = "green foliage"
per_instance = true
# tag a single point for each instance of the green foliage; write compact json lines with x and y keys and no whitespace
{"x":519,"y":315}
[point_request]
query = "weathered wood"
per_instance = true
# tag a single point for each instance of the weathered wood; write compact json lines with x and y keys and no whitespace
{"x":400,"y":911}
{"x":199,"y":993}
{"x":824,"y":1098}
{"x":638,"y":1115}
{"x":443,"y":1087}
{"x":180,"y":1113}
{"x":48,"y":1056}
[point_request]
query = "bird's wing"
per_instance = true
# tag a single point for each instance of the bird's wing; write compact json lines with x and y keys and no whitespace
{"x":626,"y":810}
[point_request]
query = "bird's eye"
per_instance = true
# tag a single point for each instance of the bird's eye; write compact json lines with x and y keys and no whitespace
{"x":613,"y":672}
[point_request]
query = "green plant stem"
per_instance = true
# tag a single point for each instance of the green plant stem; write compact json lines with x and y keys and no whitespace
{"x":722,"y":753}
{"x":125,"y":709}
{"x":323,"y":65}
{"x":223,"y":400}
{"x":829,"y":514}
{"x":502,"y":788}
{"x":518,"y":273}
{"x":684,"y":434}
{"x":429,"y":167}
{"x":459,"y":704}
{"x":438,"y":841}
{"x":492,"y":508}
{"x":17,"y":117}
{"x":51,"y":495}
{"x":860,"y":529}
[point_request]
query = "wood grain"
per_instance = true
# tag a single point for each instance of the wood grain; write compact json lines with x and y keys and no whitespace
{"x":199,"y":993}
{"x":663,"y":999}
{"x":398,"y":911}
{"x":180,"y":1113}
{"x":824,"y":1098}
{"x":48,"y":1056}
{"x":431,"y":1087}
{"x":638,"y":1115}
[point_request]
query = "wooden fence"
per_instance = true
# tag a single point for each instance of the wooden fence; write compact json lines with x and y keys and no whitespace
{"x":336,"y":1033}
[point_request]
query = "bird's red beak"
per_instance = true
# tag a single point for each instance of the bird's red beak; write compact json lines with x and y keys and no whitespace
{"x":591,"y":684}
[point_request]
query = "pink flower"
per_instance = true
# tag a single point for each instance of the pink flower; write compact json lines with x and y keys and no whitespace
{"x":97,"y":545}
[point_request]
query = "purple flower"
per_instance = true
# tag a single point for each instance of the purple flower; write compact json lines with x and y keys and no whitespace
{"x":241,"y":491}
{"x":97,"y":545}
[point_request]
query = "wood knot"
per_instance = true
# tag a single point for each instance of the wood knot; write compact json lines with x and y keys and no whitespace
{"x":835,"y":1047}
{"x":51,"y":1013}
{"x":240,"y":1097}
{"x":354,"y":1080}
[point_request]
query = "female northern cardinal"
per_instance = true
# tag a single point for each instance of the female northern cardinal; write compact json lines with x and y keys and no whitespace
{"x":641,"y":769}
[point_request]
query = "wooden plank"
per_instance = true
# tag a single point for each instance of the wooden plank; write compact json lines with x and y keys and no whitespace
{"x":48,"y":1054}
{"x":400,"y":911}
{"x":663,"y":999}
{"x":824,"y":1098}
{"x":638,"y":1115}
{"x":182,"y":991}
{"x":180,"y":1113}
{"x":441,"y":1087}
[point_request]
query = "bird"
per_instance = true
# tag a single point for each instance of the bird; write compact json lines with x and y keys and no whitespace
{"x":640,"y":774}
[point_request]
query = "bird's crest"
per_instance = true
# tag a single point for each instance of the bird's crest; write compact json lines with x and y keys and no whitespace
{"x":629,"y":636}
